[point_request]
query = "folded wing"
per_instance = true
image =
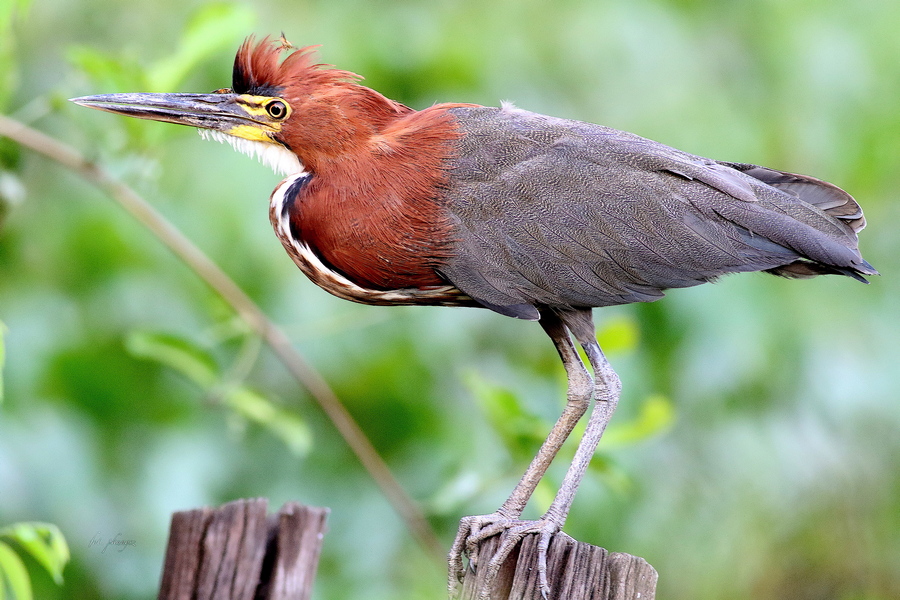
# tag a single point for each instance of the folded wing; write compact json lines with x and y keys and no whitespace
{"x":563,"y":213}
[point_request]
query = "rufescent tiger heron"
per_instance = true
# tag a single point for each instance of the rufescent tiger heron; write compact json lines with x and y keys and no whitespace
{"x":530,"y":216}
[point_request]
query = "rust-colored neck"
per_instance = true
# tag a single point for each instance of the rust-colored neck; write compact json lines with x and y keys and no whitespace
{"x":373,"y":211}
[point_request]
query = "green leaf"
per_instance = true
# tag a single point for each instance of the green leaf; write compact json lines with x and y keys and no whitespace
{"x":14,"y":574}
{"x":285,"y":424}
{"x":180,"y":354}
{"x":655,"y":416}
{"x":44,"y":542}
{"x":213,"y":28}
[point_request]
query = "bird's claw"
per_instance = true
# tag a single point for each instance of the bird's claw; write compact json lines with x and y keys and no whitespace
{"x":469,"y":528}
{"x":474,"y":530}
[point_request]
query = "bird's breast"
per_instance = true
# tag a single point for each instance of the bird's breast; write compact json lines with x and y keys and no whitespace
{"x":369,"y":254}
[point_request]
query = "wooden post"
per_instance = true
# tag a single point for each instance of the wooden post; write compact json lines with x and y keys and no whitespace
{"x":236,"y":553}
{"x":575,"y":571}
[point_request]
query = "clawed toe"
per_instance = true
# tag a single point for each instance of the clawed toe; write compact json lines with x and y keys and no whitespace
{"x":468,"y":536}
{"x":474,"y":530}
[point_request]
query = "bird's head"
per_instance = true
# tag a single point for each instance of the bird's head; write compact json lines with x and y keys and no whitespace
{"x":292,"y":114}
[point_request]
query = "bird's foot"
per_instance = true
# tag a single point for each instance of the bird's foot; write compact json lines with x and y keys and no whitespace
{"x":474,"y":530}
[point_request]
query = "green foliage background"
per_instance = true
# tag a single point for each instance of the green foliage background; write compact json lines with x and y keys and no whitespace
{"x":755,"y":452}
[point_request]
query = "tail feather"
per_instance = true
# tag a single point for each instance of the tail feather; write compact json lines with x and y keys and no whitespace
{"x":804,"y":269}
{"x":825,"y":196}
{"x":831,"y":200}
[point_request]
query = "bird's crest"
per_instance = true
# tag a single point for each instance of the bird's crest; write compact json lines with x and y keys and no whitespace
{"x":259,"y":70}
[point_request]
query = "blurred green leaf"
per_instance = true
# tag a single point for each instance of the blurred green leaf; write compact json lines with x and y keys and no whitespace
{"x":199,"y":366}
{"x":258,"y":409}
{"x":13,"y":574}
{"x":44,"y":542}
{"x":614,"y":477}
{"x":655,"y":416}
{"x":110,"y":73}
{"x":517,"y":428}
{"x":180,"y":354}
{"x":618,"y":334}
{"x":213,"y":29}
{"x":456,"y":492}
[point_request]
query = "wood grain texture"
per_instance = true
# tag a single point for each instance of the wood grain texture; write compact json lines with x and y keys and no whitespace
{"x":235,"y":552}
{"x":575,"y":571}
{"x":182,"y":559}
{"x":299,"y":541}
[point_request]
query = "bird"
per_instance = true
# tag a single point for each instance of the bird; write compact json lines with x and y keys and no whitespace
{"x":531,"y":216}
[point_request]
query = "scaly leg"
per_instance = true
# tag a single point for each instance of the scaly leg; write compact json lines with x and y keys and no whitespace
{"x":606,"y":395}
{"x":608,"y":388}
{"x":474,"y":529}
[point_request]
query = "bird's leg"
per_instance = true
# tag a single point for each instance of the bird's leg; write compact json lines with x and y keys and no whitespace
{"x":474,"y":529}
{"x":607,"y":390}
{"x":578,"y":397}
{"x":606,"y":395}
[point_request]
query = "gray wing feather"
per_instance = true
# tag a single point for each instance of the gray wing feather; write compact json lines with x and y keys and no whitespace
{"x":562,"y":213}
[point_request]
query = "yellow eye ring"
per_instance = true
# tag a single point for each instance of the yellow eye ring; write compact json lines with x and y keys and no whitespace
{"x":277,"y":109}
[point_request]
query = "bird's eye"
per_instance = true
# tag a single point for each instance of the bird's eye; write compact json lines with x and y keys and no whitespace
{"x":276,"y":109}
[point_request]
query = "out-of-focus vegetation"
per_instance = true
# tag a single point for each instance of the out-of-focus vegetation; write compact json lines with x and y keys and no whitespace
{"x":43,"y":543}
{"x":756,"y":447}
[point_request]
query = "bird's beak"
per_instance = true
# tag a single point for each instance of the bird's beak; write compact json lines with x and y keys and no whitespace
{"x":218,"y":112}
{"x":241,"y":120}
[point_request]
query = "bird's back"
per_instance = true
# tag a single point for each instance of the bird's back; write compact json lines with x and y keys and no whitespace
{"x":562,"y":213}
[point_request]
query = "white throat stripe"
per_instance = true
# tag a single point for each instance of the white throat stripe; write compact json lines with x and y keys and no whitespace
{"x":273,"y":155}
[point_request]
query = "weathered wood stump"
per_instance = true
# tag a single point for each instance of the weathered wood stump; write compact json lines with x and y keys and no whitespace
{"x":236,"y":552}
{"x":575,"y":571}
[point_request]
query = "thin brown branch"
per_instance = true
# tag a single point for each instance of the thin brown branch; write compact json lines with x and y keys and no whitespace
{"x":223,"y":285}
